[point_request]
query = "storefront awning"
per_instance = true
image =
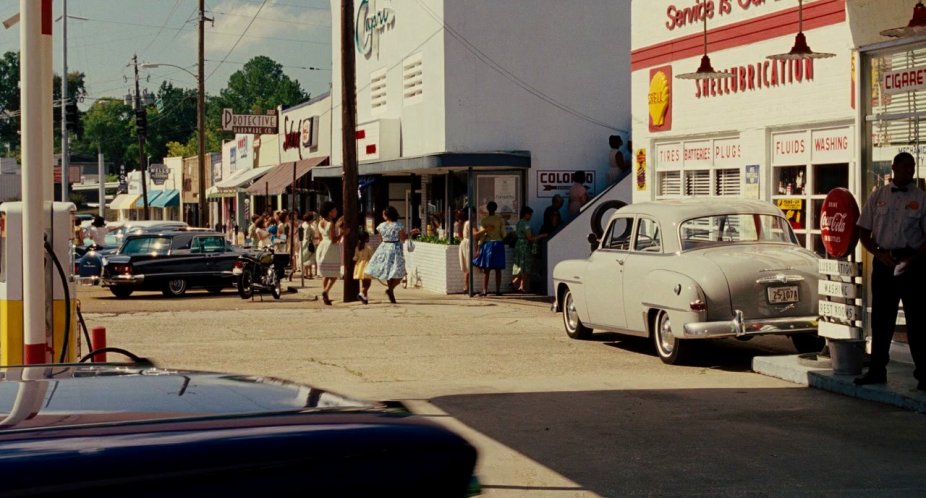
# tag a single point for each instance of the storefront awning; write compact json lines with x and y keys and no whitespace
{"x":436,"y":164}
{"x":124,"y":201}
{"x":241,"y":179}
{"x":281,"y":177}
{"x":166,"y":199}
{"x":152,"y":195}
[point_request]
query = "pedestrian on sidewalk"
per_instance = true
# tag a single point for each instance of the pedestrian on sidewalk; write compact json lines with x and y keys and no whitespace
{"x":328,"y":252}
{"x":893,"y":229}
{"x":307,"y":244}
{"x":525,"y":250}
{"x":465,"y":234}
{"x":492,"y":250}
{"x":362,"y":256}
{"x":388,"y":262}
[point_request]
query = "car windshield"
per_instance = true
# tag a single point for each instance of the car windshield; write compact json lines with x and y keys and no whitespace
{"x":155,"y":246}
{"x":734,"y":229}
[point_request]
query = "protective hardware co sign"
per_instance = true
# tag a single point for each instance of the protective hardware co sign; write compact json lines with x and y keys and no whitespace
{"x":254,"y":124}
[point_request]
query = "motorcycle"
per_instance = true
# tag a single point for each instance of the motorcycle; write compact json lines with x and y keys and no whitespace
{"x":258,"y":272}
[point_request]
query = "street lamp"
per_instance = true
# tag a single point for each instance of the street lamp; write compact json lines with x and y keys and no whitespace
{"x":201,"y":135}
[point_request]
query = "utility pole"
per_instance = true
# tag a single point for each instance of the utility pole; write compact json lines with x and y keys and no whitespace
{"x":201,"y":117}
{"x":64,"y":102}
{"x":349,"y":147}
{"x":140,"y":131}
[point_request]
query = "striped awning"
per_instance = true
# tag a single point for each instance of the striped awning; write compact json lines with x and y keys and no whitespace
{"x":124,"y":201}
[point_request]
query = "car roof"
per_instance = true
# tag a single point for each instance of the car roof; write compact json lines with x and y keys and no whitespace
{"x":678,"y":210}
{"x":154,"y":223}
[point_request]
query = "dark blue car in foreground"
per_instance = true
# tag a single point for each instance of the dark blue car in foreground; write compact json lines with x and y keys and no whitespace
{"x":141,"y":431}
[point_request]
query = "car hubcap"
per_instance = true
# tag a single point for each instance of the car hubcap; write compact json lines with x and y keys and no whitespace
{"x":666,"y":338}
{"x":572,"y":316}
{"x":176,"y":286}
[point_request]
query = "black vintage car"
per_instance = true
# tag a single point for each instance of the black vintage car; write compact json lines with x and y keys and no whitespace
{"x":171,"y":262}
{"x":138,"y":430}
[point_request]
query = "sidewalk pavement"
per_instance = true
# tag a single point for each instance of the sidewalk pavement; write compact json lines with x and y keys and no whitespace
{"x":899,"y":391}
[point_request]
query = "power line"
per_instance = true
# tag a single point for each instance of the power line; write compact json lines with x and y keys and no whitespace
{"x":232,"y":49}
{"x":511,"y":76}
{"x":169,"y":15}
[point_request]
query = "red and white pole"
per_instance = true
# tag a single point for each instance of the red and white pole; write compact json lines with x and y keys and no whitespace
{"x":35,"y":28}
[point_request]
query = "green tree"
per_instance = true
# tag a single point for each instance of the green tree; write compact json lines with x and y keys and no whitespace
{"x":109,"y":124}
{"x":172,"y":120}
{"x":260,"y":86}
{"x":9,"y":102}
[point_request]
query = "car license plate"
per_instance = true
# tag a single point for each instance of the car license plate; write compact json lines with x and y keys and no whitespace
{"x":786,"y":294}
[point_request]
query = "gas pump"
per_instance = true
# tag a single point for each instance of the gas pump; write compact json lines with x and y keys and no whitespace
{"x":62,"y":334}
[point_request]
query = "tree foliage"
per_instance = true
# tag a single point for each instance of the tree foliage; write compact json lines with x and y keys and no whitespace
{"x":259,"y":86}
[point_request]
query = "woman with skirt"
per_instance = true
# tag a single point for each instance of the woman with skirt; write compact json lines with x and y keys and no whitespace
{"x":388,"y":262}
{"x":492,"y":250}
{"x":328,"y":252}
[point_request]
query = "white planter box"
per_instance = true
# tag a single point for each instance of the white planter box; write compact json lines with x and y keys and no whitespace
{"x":436,"y":267}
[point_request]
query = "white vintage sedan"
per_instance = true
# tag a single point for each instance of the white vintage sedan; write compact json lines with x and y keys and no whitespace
{"x":691,"y":269}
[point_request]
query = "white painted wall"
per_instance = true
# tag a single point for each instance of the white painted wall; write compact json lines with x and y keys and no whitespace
{"x":491,"y":71}
{"x":291,"y":120}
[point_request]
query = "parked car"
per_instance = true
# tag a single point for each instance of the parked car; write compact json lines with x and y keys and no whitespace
{"x":88,"y":265}
{"x":143,"y":431}
{"x":683,"y":270}
{"x":171,"y":262}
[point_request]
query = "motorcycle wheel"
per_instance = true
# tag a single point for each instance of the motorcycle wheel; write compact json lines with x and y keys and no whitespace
{"x":276,"y":286}
{"x":245,"y":285}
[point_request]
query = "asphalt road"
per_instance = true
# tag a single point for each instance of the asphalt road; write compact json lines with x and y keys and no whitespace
{"x":551,"y":416}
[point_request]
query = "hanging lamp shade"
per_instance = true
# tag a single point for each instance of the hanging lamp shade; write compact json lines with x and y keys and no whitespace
{"x":800,"y":50}
{"x":916,"y":26}
{"x":705,"y":71}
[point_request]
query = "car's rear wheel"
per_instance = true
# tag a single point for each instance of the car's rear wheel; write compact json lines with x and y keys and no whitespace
{"x":121,"y":292}
{"x":175,"y":288}
{"x":808,"y":343}
{"x":571,"y":320}
{"x":669,"y":348}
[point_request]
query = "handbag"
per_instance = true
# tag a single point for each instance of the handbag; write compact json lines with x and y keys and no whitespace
{"x":409,"y":245}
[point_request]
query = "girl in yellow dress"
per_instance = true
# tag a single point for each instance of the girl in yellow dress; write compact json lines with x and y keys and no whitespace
{"x":362,"y":256}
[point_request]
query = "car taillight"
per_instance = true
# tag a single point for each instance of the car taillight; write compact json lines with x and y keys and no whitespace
{"x":239,"y":265}
{"x":122,"y":269}
{"x":698,"y":305}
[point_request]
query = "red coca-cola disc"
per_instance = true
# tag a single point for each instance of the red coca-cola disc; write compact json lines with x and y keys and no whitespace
{"x":837,"y":223}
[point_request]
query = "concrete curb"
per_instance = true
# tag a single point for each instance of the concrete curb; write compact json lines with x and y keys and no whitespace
{"x":900,"y":390}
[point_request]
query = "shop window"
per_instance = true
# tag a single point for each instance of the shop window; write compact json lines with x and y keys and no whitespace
{"x":799,"y":191}
{"x":728,"y":182}
{"x":670,"y":183}
{"x":412,"y":79}
{"x":378,"y":91}
{"x":829,"y":176}
{"x":698,"y":183}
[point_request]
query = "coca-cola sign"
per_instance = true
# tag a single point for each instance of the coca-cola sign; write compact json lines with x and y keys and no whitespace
{"x":837,"y":223}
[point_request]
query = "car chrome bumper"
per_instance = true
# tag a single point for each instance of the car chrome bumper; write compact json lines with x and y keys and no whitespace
{"x":87,"y":281}
{"x":738,"y":327}
{"x":123,"y":280}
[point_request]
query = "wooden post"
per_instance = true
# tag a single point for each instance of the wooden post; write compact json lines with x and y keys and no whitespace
{"x":349,"y":147}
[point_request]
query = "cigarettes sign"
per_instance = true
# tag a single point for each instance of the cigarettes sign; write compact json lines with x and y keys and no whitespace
{"x":254,"y":124}
{"x":904,"y":80}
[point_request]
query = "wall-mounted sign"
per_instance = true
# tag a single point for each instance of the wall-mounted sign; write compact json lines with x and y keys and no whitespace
{"x":660,"y":99}
{"x":158,"y":173}
{"x":369,"y":25}
{"x":790,"y":148}
{"x":254,"y":124}
{"x":837,"y":223}
{"x":639,"y":170}
{"x":751,"y":182}
{"x":903,"y":80}
{"x":753,"y":77}
{"x":557,"y":181}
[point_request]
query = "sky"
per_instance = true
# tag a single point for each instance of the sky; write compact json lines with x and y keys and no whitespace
{"x":295,"y":33}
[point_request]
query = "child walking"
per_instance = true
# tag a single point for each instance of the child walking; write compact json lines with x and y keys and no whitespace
{"x":362,"y":256}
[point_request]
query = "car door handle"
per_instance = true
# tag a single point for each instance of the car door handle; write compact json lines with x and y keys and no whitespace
{"x":620,"y":261}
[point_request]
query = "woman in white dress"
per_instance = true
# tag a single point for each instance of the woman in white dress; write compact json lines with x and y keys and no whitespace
{"x":328,"y":252}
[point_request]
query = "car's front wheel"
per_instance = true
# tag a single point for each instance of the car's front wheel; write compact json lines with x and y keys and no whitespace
{"x":175,"y":288}
{"x":808,"y":343}
{"x":121,"y":292}
{"x":668,"y":347}
{"x":574,"y":327}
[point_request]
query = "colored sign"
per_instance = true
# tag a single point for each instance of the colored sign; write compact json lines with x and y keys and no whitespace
{"x":639,"y":170}
{"x":558,"y":181}
{"x":158,"y":173}
{"x":903,"y":80}
{"x":369,"y":25}
{"x":660,"y":99}
{"x":793,"y":210}
{"x":254,"y":124}
{"x":790,"y":148}
{"x":837,"y":223}
{"x":751,"y":182}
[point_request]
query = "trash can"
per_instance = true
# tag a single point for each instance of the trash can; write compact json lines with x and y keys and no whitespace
{"x":847,"y":356}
